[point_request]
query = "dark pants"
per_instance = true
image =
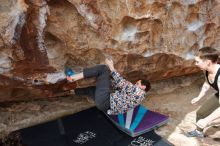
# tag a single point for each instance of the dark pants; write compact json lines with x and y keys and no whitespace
{"x":101,"y":92}
{"x":207,"y":108}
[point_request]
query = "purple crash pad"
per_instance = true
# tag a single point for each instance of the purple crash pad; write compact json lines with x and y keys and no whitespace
{"x":138,"y":120}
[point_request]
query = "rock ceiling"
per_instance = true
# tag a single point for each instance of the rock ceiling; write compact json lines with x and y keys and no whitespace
{"x":152,"y":39}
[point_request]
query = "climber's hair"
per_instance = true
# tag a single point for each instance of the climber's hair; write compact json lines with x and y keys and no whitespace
{"x":146,"y":83}
{"x":208,"y":53}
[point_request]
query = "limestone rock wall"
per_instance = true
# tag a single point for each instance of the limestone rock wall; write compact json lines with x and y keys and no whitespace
{"x":152,"y":39}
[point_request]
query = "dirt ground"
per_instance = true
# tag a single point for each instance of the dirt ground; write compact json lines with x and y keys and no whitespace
{"x":176,"y":104}
{"x":182,"y":116}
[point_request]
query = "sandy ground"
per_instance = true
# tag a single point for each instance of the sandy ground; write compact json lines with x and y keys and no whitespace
{"x":176,"y":104}
{"x":182,"y":116}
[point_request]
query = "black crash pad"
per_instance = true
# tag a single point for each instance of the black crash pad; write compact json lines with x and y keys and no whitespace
{"x":86,"y":128}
